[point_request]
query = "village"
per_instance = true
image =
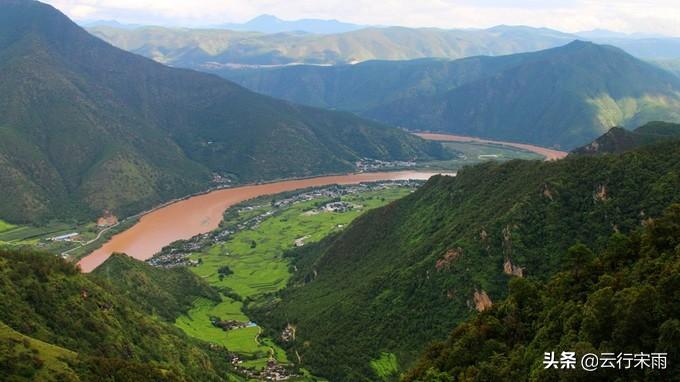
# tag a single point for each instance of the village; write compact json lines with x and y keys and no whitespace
{"x":273,"y":371}
{"x":367,"y":165}
{"x":178,"y":253}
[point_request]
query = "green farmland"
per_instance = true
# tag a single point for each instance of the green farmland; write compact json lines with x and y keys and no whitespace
{"x":255,"y":256}
{"x":470,"y":153}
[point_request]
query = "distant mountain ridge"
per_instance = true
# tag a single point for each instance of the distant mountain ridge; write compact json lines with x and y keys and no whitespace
{"x":272,"y":24}
{"x":213,"y":48}
{"x":565,"y":96}
{"x":86,"y":127}
{"x":219,"y":48}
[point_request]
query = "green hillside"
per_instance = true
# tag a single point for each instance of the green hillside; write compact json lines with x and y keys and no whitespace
{"x":618,"y":140}
{"x":86,"y":127}
{"x":406,"y":274}
{"x":206,"y":49}
{"x":58,"y":324}
{"x":167,"y":293}
{"x":621,"y":299}
{"x":562,"y":97}
{"x":26,"y":359}
{"x":367,"y":85}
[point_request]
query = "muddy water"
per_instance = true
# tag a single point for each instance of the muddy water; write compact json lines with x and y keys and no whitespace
{"x":549,"y":154}
{"x":203,"y":213}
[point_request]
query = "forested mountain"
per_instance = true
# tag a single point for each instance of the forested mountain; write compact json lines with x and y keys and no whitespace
{"x":620,"y":299}
{"x":216,"y":48}
{"x":406,"y":274}
{"x":368,"y":85}
{"x":564,"y":96}
{"x":57,"y":324}
{"x":86,"y":127}
{"x":618,"y":140}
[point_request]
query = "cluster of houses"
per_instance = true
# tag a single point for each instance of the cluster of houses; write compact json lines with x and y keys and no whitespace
{"x":288,"y":333}
{"x":272,"y":372}
{"x":340,"y":207}
{"x":221,"y":180}
{"x":367,"y":164}
{"x":174,"y":258}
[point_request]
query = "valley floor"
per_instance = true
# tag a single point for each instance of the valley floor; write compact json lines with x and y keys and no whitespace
{"x":259,"y":233}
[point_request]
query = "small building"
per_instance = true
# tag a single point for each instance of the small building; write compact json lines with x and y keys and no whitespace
{"x":67,"y":237}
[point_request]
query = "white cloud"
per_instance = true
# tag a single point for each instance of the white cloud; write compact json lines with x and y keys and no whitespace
{"x":660,"y":16}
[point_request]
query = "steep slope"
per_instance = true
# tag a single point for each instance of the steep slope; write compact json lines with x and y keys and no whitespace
{"x":404,"y":275}
{"x":623,"y":300}
{"x":563,"y":97}
{"x":167,"y":293}
{"x":87,"y":127}
{"x":26,"y":359}
{"x":214,"y":48}
{"x":367,"y":85}
{"x":85,"y":331}
{"x":618,"y":140}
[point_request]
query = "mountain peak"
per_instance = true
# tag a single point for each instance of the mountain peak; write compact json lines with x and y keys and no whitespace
{"x":581,"y":44}
{"x":265,"y":18}
{"x":92,"y":119}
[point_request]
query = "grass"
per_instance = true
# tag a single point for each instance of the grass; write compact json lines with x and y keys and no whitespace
{"x":262,"y":269}
{"x":385,"y":366}
{"x":54,"y":358}
{"x":4,"y":226}
{"x":244,"y":341}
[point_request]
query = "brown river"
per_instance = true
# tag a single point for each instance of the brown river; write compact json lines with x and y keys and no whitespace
{"x":203,"y":213}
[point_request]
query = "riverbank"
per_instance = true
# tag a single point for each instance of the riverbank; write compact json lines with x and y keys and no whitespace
{"x":202,"y":213}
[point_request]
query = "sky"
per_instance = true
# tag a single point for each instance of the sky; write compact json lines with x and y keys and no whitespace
{"x":628,"y":16}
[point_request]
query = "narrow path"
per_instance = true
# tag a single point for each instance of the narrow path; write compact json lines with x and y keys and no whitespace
{"x":549,"y":154}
